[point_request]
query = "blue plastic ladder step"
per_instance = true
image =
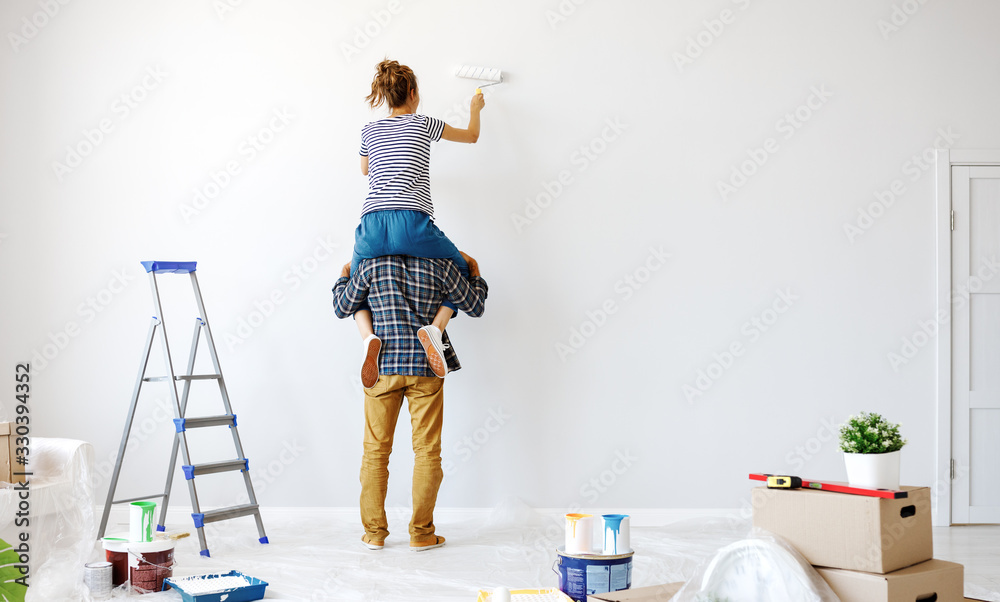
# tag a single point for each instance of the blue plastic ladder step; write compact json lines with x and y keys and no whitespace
{"x":170,"y":267}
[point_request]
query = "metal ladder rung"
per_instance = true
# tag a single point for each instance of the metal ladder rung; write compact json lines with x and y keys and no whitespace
{"x":156,"y":379}
{"x":225,"y":513}
{"x":138,"y":499}
{"x":194,"y":470}
{"x":182,"y":424}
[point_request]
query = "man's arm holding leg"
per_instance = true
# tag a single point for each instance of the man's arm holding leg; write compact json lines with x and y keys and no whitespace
{"x":468,"y":295}
{"x":349,"y":293}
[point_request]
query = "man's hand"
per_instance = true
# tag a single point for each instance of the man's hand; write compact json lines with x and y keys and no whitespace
{"x":345,"y":272}
{"x":473,"y":265}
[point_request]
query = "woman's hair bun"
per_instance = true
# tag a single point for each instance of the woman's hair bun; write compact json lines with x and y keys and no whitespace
{"x":392,"y":84}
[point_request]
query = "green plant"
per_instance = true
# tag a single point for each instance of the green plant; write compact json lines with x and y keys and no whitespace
{"x":11,"y":588}
{"x":870,"y":433}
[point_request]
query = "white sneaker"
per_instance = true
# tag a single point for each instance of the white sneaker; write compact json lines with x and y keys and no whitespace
{"x":371,"y":347}
{"x":430,"y":338}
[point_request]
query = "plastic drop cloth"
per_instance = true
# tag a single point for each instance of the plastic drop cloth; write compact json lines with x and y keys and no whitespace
{"x":317,"y":555}
{"x":977,"y":592}
{"x":61,"y":527}
{"x":763,"y":568}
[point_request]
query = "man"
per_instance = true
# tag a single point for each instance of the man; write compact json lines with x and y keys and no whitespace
{"x":404,"y":294}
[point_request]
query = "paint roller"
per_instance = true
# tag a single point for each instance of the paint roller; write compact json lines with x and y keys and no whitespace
{"x":485,"y":74}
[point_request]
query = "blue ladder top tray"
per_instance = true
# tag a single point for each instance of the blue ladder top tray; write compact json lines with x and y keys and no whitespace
{"x":170,"y":267}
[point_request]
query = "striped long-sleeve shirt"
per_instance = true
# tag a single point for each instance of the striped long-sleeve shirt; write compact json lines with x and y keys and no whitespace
{"x":399,"y":162}
{"x":404,"y":293}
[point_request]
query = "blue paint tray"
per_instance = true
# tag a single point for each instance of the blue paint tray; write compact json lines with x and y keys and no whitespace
{"x":233,"y":586}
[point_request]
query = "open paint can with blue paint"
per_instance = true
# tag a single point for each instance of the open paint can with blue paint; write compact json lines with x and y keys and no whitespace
{"x":616,"y":534}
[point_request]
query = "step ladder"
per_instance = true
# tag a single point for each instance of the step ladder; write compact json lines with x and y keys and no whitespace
{"x":183,"y":423}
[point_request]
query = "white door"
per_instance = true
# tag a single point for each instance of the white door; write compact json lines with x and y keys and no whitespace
{"x":976,"y":344}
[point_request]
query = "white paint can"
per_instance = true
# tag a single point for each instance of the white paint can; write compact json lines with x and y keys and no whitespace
{"x":579,"y":533}
{"x":616,"y":534}
{"x":97,"y":576}
{"x":141,"y":521}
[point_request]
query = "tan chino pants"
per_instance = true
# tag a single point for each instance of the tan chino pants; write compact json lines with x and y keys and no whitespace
{"x":425,"y":398}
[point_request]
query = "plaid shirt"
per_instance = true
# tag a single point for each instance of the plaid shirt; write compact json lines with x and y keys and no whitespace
{"x":404,"y":293}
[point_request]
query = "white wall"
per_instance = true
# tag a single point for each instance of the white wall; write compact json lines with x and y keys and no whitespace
{"x":567,"y":416}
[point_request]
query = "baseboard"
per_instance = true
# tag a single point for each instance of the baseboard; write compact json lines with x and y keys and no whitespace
{"x":652,"y":517}
{"x":180,"y":517}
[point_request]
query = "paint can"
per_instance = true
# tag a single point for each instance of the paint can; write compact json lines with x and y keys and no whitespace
{"x":581,"y":575}
{"x":97,"y":576}
{"x":144,"y":564}
{"x":579,"y":533}
{"x":141,"y":521}
{"x":116,"y":552}
{"x":148,"y":569}
{"x":616,"y":533}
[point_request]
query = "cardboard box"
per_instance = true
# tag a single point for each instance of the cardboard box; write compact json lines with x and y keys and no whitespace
{"x":8,"y":459}
{"x":5,"y":452}
{"x":853,"y":532}
{"x":655,"y":593}
{"x":932,"y":580}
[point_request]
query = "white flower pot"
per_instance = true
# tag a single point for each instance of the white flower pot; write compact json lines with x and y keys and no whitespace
{"x":874,"y":471}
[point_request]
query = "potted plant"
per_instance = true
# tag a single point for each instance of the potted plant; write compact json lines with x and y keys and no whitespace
{"x":871,"y":447}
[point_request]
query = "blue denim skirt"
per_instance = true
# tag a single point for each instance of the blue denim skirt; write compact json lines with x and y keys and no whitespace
{"x":403,"y":232}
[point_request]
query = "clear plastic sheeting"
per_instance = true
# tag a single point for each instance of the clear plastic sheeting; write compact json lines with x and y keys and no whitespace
{"x":60,"y":528}
{"x":977,"y":592}
{"x":317,"y":555}
{"x":763,"y":568}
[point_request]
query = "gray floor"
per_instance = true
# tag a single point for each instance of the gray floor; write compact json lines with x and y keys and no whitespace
{"x":976,"y":547}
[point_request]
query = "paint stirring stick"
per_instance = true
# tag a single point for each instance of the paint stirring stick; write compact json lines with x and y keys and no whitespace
{"x":174,"y":535}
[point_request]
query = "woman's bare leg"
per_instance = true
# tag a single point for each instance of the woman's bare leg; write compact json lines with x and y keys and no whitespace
{"x":442,"y":318}
{"x":363,"y":318}
{"x":372,"y":346}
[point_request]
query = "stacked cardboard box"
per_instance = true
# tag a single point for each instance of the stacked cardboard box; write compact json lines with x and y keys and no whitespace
{"x":868,"y":549}
{"x":8,"y":454}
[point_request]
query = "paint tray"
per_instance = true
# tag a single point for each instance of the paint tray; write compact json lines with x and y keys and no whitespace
{"x":233,"y":586}
{"x":551,"y":594}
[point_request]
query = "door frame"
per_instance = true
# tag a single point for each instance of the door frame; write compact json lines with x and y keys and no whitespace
{"x":946,"y":159}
